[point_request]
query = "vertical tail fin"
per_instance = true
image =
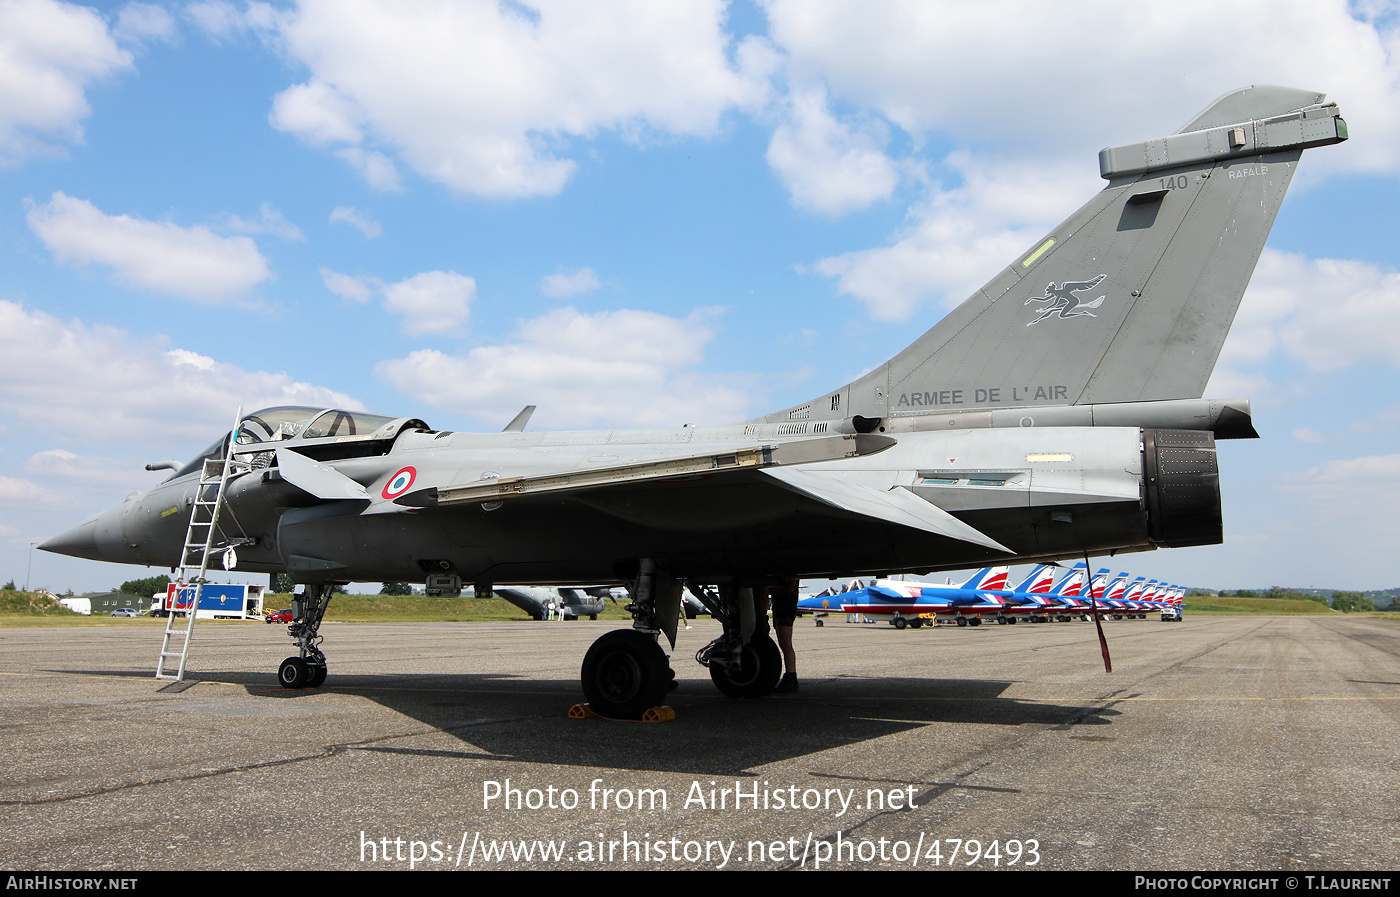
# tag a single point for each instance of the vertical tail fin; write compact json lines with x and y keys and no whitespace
{"x":996,"y":579}
{"x":1117,"y":588}
{"x":987,"y":578}
{"x":1073,"y":582}
{"x":1130,"y":298}
{"x":1037,"y":581}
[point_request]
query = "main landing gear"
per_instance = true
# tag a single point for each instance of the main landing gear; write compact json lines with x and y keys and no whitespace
{"x":759,"y":667}
{"x":626,"y":672}
{"x":308,"y":668}
{"x":744,"y":662}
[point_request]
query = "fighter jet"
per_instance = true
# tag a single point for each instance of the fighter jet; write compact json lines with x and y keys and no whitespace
{"x":1062,"y":600}
{"x":986,"y":441}
{"x":1026,"y":597}
{"x":907,"y":603}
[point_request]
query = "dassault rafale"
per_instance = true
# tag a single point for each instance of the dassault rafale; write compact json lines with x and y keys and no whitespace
{"x":1010,"y":431}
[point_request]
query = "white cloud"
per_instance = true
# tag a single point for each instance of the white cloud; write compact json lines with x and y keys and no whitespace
{"x":619,"y":368}
{"x":828,"y":166}
{"x":358,"y":220}
{"x":17,"y":491}
{"x":1310,"y":436}
{"x":49,"y":53}
{"x":317,"y":114}
{"x":925,"y":67}
{"x":224,"y":21}
{"x":378,"y":170}
{"x":1034,"y":118}
{"x":436,"y":302}
{"x":355,"y":288}
{"x":139,"y":22}
{"x":1386,"y":419}
{"x":1341,"y":312}
{"x":1350,"y":490}
{"x":188,"y":262}
{"x":1328,"y":314}
{"x":483,"y":97}
{"x":958,"y":238}
{"x":104,"y":386}
{"x":570,"y":283}
{"x":83,"y":470}
{"x":269,"y":221}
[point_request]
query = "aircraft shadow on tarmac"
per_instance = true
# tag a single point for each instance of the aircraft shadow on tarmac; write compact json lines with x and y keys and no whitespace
{"x":503,"y":717}
{"x":525,"y":720}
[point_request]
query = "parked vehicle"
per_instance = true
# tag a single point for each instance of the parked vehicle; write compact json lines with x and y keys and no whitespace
{"x":218,"y":601}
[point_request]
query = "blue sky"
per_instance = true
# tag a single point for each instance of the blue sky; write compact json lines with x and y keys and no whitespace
{"x":637,"y":214}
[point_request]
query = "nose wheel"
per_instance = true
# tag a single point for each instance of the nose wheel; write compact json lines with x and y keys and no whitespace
{"x":296,"y":672}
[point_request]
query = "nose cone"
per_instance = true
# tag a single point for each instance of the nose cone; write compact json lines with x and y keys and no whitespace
{"x":144,"y":529}
{"x":78,"y":542}
{"x":104,"y":537}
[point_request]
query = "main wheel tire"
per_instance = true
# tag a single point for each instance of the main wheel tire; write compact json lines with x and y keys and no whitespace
{"x":624,"y":674}
{"x":318,"y":676}
{"x":900,"y":623}
{"x":294,"y":673}
{"x":761,"y":666}
{"x":962,"y":621}
{"x":975,"y":621}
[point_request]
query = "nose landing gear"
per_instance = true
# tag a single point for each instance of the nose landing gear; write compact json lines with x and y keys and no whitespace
{"x":308,"y":668}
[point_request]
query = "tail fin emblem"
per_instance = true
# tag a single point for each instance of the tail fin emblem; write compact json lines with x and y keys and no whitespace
{"x":1062,"y":302}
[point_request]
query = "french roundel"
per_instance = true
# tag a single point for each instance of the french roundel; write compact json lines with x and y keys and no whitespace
{"x":399,"y":483}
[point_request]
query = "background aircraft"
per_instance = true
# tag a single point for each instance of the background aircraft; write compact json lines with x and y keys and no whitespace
{"x":542,"y":601}
{"x":906,"y":602}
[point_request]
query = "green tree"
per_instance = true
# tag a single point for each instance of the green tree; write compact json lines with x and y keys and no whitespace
{"x":282,"y":582}
{"x":1351,"y":602}
{"x":145,"y":587}
{"x":396,"y":588}
{"x":10,"y":586}
{"x":1280,"y":593}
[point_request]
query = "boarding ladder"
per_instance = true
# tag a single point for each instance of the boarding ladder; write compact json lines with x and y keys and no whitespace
{"x":194,"y":556}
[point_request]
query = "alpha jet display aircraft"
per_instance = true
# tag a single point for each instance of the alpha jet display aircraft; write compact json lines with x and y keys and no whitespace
{"x":906,"y":603}
{"x":1013,"y":429}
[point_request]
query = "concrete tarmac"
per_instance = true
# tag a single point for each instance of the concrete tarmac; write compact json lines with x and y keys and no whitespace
{"x":1219,"y":743}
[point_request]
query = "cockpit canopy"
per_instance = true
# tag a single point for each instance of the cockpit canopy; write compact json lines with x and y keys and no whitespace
{"x":288,"y":421}
{"x":323,"y":434}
